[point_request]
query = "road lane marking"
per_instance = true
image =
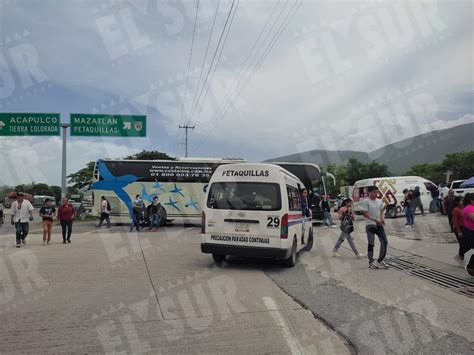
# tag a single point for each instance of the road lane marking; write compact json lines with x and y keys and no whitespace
{"x":281,"y":322}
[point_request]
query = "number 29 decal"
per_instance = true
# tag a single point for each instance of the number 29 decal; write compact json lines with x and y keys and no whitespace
{"x":273,"y":222}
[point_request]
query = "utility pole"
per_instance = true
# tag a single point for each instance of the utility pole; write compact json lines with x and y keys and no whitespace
{"x":186,"y":127}
{"x":448,"y":176}
{"x":64,"y":126}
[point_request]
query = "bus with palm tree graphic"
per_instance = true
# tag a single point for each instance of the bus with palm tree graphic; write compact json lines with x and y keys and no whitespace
{"x":179,"y":184}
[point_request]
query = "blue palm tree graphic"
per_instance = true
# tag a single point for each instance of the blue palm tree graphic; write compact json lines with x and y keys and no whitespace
{"x":177,"y":190}
{"x":172,"y":203}
{"x":146,"y":196}
{"x":193,"y":203}
{"x":115,"y":184}
{"x":158,"y":186}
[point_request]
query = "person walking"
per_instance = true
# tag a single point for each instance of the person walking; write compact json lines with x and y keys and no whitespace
{"x":458,"y":223}
{"x":137,"y":210}
{"x":306,"y":213}
{"x":346,"y":215}
{"x":66,"y":214}
{"x":408,"y":196}
{"x":467,"y":241}
{"x":372,"y":207}
{"x":21,"y":215}
{"x":326,"y":208}
{"x":104,"y":212}
{"x":448,"y":207}
{"x":416,"y":201}
{"x":442,"y":193}
{"x":47,"y":212}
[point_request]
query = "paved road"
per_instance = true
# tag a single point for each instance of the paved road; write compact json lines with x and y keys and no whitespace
{"x":111,"y":291}
{"x":387,"y":311}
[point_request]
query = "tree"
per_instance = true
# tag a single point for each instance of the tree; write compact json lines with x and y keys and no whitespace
{"x":150,"y":155}
{"x":83,"y":177}
{"x":374,"y":169}
{"x":461,"y":165}
{"x":56,"y":190}
{"x":432,"y":172}
{"x":354,"y":170}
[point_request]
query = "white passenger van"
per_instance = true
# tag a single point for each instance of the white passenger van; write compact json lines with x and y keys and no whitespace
{"x":391,"y":193}
{"x":254,"y":210}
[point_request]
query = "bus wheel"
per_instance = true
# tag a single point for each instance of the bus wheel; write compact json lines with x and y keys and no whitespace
{"x":392,"y":212}
{"x":291,"y":261}
{"x":218,"y":258}
{"x":163,"y":217}
{"x":309,"y":242}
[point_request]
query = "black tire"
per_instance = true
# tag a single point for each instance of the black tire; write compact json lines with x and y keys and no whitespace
{"x":309,"y":242}
{"x":291,"y":261}
{"x":391,"y":212}
{"x":218,"y":258}
{"x":163,"y":217}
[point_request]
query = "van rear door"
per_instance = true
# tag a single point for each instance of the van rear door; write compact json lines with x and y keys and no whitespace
{"x":244,"y":213}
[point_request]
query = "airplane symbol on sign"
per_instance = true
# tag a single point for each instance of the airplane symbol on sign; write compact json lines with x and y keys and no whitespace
{"x":2,"y":124}
{"x":127,"y":125}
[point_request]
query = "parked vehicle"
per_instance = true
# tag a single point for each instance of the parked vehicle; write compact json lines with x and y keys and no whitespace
{"x":462,"y":187}
{"x":391,"y":193}
{"x":254,"y":210}
{"x":38,"y":200}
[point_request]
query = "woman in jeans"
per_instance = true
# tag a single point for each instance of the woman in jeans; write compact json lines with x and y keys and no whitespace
{"x":408,"y":208}
{"x":346,"y":210}
{"x":66,"y":215}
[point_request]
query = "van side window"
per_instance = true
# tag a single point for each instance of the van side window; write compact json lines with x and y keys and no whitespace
{"x":294,"y":200}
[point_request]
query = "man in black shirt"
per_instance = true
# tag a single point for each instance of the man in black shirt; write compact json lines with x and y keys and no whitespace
{"x":47,"y":212}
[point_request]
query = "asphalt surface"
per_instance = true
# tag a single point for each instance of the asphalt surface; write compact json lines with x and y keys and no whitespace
{"x":113,"y":291}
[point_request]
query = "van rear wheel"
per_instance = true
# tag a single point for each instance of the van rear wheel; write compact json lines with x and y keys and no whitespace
{"x":309,"y":242}
{"x":291,"y":261}
{"x":391,"y":212}
{"x":218,"y":258}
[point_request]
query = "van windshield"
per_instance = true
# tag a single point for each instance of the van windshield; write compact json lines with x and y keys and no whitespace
{"x":248,"y":196}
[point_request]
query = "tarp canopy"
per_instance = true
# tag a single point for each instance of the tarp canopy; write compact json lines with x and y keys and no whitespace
{"x":468,"y":183}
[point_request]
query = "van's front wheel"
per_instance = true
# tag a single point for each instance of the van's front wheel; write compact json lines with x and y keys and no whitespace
{"x":218,"y":258}
{"x":291,"y":261}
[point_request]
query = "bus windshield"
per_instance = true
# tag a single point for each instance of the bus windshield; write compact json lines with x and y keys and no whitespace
{"x":248,"y":196}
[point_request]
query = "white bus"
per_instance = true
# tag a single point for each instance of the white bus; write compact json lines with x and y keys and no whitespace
{"x":180,"y":185}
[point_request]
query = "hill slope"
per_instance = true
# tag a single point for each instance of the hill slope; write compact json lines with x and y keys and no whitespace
{"x":426,"y":148}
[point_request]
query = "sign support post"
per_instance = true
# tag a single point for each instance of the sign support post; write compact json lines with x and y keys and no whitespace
{"x":64,"y":127}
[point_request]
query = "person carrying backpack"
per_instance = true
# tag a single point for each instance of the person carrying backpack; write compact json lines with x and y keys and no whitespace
{"x":105,"y":209}
{"x":346,"y":215}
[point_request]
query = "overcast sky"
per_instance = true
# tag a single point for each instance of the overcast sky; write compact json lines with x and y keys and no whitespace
{"x":292,"y":76}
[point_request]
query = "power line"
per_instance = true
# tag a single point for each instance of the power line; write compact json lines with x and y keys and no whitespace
{"x":212,"y":61}
{"x":217,"y":63}
{"x":236,"y":82}
{"x":207,"y":50}
{"x":275,"y":38}
{"x":187,"y":72}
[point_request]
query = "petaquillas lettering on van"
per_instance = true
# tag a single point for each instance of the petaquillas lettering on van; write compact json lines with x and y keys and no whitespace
{"x":253,"y":173}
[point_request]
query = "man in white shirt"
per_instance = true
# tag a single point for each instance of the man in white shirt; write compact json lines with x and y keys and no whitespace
{"x":22,"y":214}
{"x":104,"y":212}
{"x":372,"y":207}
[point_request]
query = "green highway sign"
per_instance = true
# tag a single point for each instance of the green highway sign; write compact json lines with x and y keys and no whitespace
{"x":108,"y":125}
{"x":29,"y":124}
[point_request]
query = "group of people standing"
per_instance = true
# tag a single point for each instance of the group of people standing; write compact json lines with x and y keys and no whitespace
{"x":462,"y":221}
{"x":153,"y":213}
{"x":22,"y":214}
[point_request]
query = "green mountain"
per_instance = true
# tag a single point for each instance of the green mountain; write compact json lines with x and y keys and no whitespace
{"x":425,"y":148}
